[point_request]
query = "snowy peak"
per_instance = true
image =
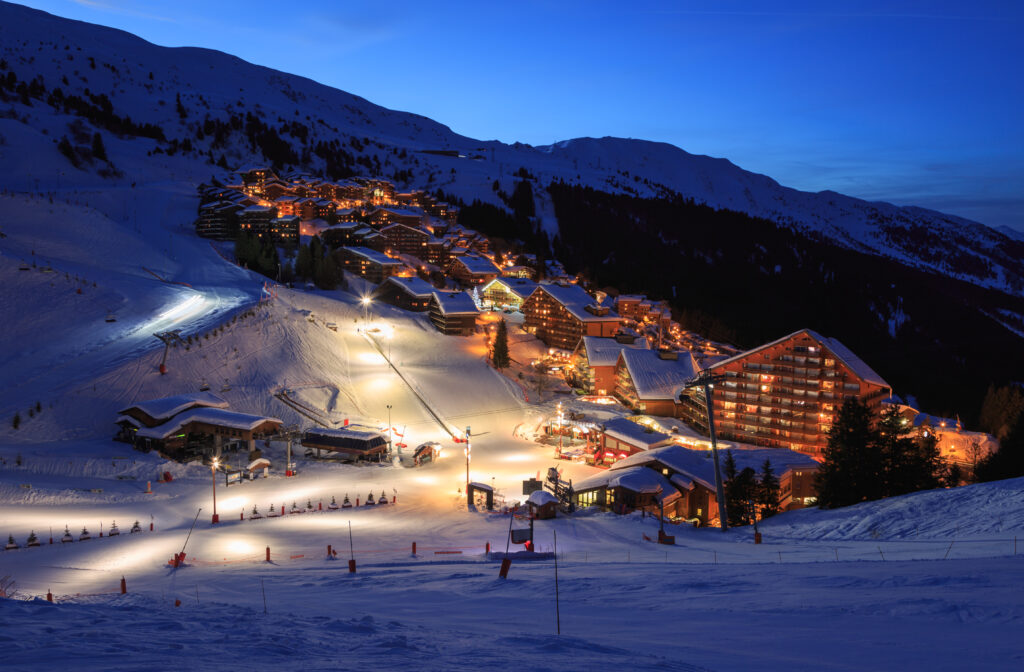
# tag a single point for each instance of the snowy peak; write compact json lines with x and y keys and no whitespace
{"x":215,"y":108}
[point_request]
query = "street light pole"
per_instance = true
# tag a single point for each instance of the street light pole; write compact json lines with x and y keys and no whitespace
{"x":213,"y":476}
{"x":469,"y":450}
{"x":707,"y":380}
{"x":366,"y":310}
{"x":389,"y":429}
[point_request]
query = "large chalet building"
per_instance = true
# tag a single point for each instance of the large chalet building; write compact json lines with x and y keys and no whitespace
{"x":785,"y":394}
{"x":681,"y":480}
{"x":560,"y":315}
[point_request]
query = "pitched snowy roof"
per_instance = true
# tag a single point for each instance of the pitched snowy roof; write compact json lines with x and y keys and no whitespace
{"x":575,"y":299}
{"x":521,"y":287}
{"x":634,"y":434}
{"x":541,"y":497}
{"x":605,"y":351}
{"x":656,"y":378}
{"x":169,"y":406}
{"x":455,"y":303}
{"x":478,"y":265}
{"x":345,"y":433}
{"x":211,"y":416}
{"x":841,"y":352}
{"x":697,"y":465}
{"x":638,"y":479}
{"x":415,"y":285}
{"x":856,"y":364}
{"x":402,"y":212}
{"x":374,"y":256}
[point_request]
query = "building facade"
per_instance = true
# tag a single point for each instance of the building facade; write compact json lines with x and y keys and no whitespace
{"x":785,"y":394}
{"x":561,"y":315}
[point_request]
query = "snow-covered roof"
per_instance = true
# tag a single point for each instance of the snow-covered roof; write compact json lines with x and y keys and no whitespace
{"x":697,"y":465}
{"x":168,"y":406}
{"x":521,"y":287}
{"x":374,"y":256}
{"x":478,"y":265}
{"x":575,"y":299}
{"x":637,"y":479}
{"x":211,"y":416}
{"x":482,"y":486}
{"x":927,"y":420}
{"x":541,"y":497}
{"x":415,"y":285}
{"x":401,"y":212}
{"x":455,"y":303}
{"x":605,"y":351}
{"x":346,"y":433}
{"x":841,"y":352}
{"x":634,"y":434}
{"x":657,"y":378}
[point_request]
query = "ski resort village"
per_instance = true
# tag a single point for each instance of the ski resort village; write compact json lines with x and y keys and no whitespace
{"x":292,"y":381}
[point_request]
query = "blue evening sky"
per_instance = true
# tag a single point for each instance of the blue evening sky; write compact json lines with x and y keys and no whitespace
{"x":914,"y":102}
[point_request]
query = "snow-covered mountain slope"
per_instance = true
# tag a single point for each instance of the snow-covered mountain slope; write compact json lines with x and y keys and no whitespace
{"x":243,"y":113}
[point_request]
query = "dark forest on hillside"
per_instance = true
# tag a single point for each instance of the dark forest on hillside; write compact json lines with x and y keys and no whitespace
{"x":746,"y":280}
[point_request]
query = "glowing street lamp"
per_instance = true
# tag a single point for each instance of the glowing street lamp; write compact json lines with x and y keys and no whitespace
{"x":366,"y":310}
{"x":213,"y":475}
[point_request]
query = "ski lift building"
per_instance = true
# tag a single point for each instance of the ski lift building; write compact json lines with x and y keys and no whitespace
{"x":355,"y":444}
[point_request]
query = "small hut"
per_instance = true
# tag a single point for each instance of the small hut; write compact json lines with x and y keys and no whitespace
{"x":543,"y":504}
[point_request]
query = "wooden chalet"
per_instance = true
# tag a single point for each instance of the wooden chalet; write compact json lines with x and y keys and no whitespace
{"x":650,"y":381}
{"x":621,"y":437}
{"x":560,"y":315}
{"x":594,"y":362}
{"x":406,"y":293}
{"x":284,"y":231}
{"x":351,"y":443}
{"x":370,"y":264}
{"x":507,"y":292}
{"x":192,"y":425}
{"x":472,"y":270}
{"x":786,"y":394}
{"x":687,"y":481}
{"x":404,"y":239}
{"x":453,"y":313}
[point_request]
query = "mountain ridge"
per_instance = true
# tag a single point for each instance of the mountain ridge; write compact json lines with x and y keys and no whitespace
{"x":141,"y":80}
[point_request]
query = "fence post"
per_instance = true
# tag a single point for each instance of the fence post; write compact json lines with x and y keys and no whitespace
{"x":487,"y":548}
{"x":414,"y":549}
{"x":352,"y":566}
{"x":329,"y":551}
{"x":268,"y":553}
{"x":49,"y":595}
{"x":124,"y":586}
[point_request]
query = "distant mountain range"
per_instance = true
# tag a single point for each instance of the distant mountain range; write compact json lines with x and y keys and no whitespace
{"x":190,"y":95}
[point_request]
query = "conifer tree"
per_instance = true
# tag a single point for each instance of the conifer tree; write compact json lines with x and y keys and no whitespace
{"x":768,"y":491}
{"x":500,"y":356}
{"x":851,"y":470}
{"x":1008,"y":461}
{"x":98,"y":150}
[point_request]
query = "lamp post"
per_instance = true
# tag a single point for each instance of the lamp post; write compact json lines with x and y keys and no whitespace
{"x":469,"y":450}
{"x":213,"y":476}
{"x":389,"y":429}
{"x":559,"y":429}
{"x":707,"y":381}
